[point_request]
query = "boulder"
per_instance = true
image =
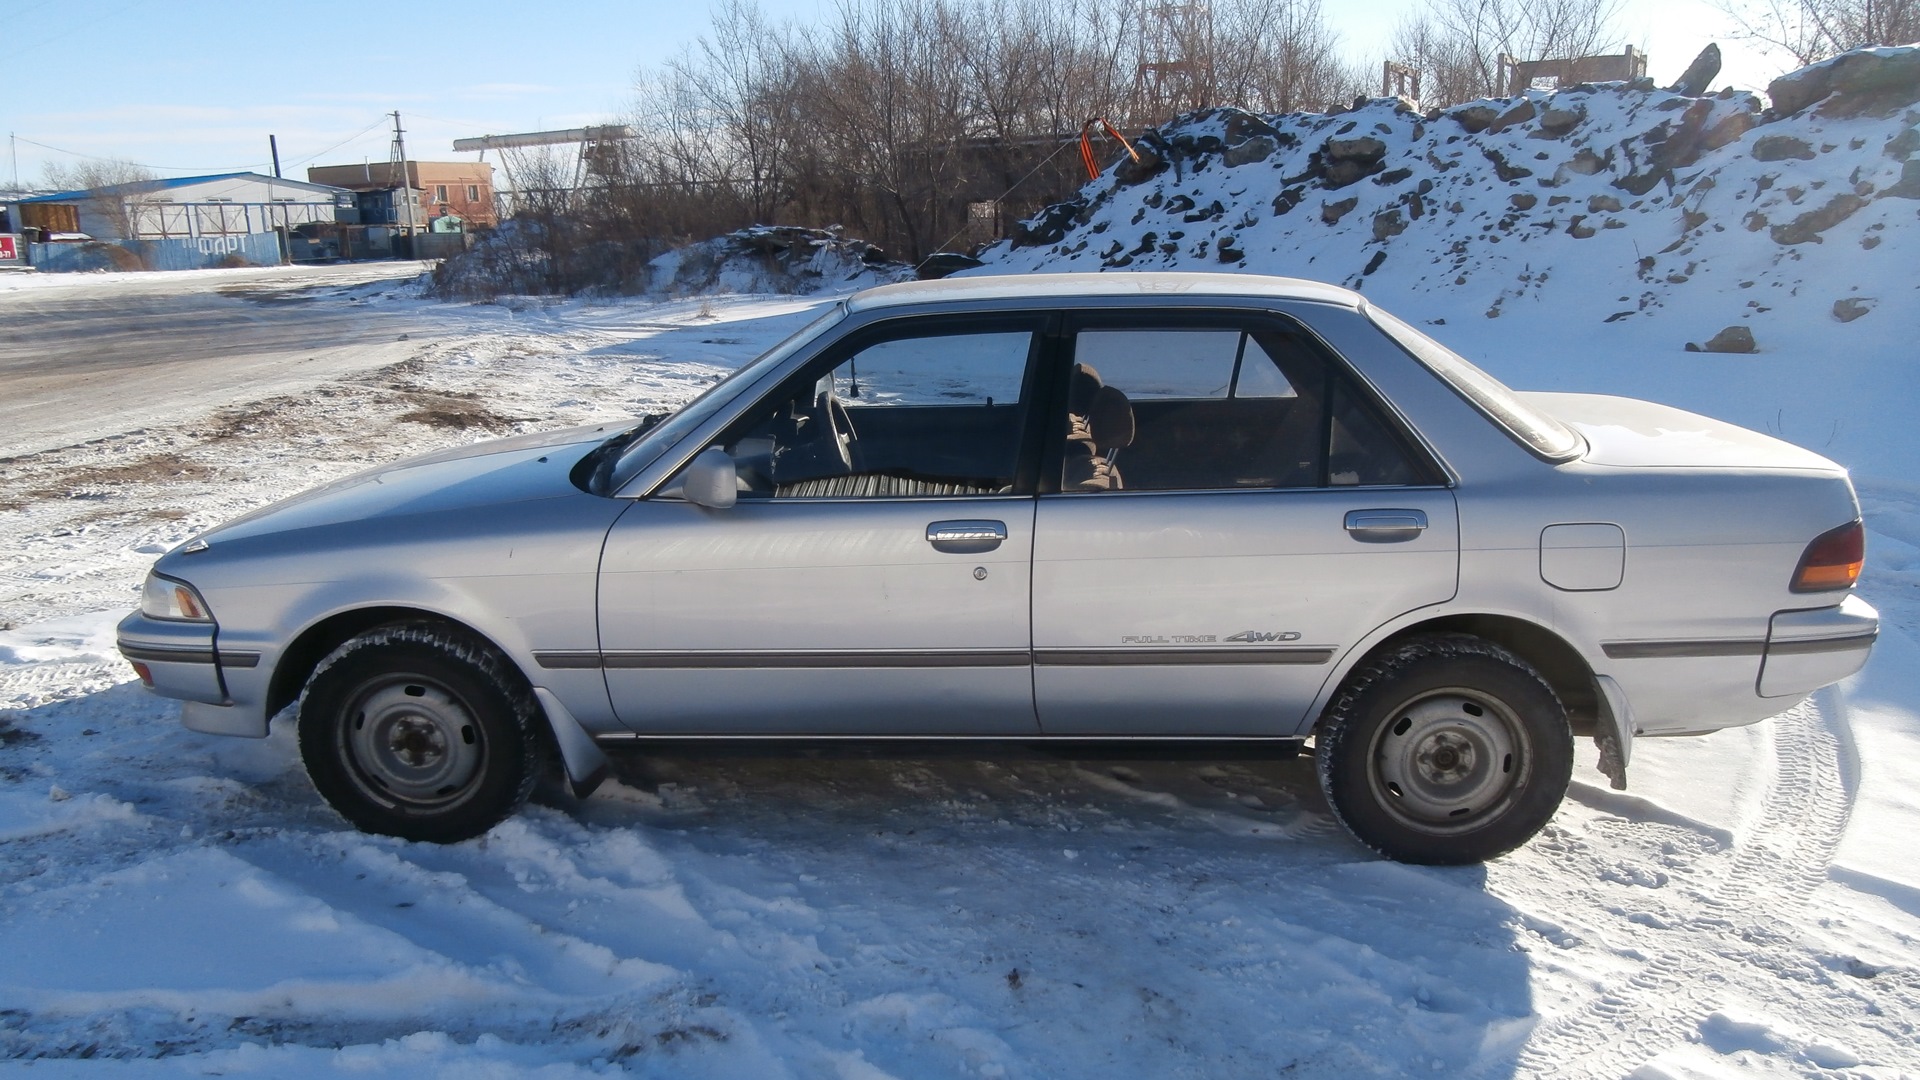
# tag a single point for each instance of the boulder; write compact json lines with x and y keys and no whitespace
{"x":1734,"y":339}
{"x":1908,"y":186}
{"x":1341,"y":174}
{"x":1049,"y":226}
{"x":1699,"y":74}
{"x":1806,"y":228}
{"x":1388,"y":224}
{"x":1475,"y":118}
{"x":1586,"y":162}
{"x":1781,"y":148}
{"x":1730,"y":128}
{"x":1865,"y":80}
{"x":1850,"y":308}
{"x":1348,"y":161}
{"x":1259,"y":148}
{"x":1153,"y":152}
{"x":1555,"y":121}
{"x":1365,"y":149}
{"x":1519,"y":114}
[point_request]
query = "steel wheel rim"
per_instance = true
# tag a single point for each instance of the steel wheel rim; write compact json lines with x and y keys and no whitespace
{"x":1447,"y":760}
{"x":410,"y":740}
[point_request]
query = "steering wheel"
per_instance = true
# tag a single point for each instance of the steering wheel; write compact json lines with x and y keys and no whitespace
{"x":816,"y":442}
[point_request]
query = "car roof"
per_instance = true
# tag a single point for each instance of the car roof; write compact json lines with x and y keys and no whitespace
{"x":1070,"y":286}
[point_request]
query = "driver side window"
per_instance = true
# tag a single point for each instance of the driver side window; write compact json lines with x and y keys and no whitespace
{"x":909,"y":415}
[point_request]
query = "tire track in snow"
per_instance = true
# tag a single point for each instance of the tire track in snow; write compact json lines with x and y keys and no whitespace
{"x":1771,"y":876}
{"x":29,"y":685}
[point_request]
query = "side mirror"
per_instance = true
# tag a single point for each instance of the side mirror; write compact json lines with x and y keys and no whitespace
{"x":710,"y":479}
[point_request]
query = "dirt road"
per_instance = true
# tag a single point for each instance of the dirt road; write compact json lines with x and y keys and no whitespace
{"x":76,"y":360}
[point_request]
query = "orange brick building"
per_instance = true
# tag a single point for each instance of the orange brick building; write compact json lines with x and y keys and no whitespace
{"x":461,"y":188}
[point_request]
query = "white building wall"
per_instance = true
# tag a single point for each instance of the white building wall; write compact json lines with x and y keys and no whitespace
{"x":227,"y":207}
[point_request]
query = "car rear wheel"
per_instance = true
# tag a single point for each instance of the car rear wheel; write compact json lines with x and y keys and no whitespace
{"x":420,"y":732}
{"x":1447,"y":749}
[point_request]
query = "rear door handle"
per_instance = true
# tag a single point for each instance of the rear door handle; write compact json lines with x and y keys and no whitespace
{"x":966,"y":537}
{"x":1385,"y":526}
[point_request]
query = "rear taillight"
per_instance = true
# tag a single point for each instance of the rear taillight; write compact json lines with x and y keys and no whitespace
{"x":1833,"y":560}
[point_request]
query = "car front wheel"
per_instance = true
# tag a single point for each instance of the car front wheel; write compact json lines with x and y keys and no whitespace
{"x":420,"y":732}
{"x":1446,"y":749}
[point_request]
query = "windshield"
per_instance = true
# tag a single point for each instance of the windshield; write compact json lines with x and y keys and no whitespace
{"x":1533,"y":429}
{"x":656,"y":439}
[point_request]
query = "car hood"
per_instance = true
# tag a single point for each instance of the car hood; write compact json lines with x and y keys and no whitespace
{"x":520,"y":469}
{"x":1629,"y":433}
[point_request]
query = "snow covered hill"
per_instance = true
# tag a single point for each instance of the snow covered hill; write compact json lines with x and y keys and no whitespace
{"x":1640,"y":222}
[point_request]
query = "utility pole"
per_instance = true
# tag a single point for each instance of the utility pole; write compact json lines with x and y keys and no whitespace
{"x":406,"y":182}
{"x":13,"y":147}
{"x":273,"y":144}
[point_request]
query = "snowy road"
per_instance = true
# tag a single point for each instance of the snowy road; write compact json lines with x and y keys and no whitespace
{"x":173,"y":904}
{"x":72,"y":366}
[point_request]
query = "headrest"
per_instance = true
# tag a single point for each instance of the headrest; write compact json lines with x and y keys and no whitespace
{"x":1110,"y":419}
{"x":1086,"y":382}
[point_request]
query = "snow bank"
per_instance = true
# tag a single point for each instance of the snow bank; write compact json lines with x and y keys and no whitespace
{"x":774,"y":259}
{"x":1586,"y":238}
{"x":519,"y":259}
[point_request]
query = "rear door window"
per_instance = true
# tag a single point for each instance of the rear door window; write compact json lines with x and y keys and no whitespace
{"x":1211,"y":402}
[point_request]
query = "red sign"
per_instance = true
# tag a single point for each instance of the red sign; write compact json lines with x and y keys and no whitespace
{"x":7,"y":250}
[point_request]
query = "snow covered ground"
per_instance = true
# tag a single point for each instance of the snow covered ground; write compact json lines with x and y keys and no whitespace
{"x":181,"y":905}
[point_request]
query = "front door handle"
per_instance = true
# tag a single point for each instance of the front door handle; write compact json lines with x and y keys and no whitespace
{"x":1385,"y":526}
{"x":966,"y":537}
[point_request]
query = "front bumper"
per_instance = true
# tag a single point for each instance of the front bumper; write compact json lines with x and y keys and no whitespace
{"x":183,"y":660}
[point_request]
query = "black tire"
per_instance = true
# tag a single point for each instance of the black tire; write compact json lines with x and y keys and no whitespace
{"x":1447,"y":749}
{"x":419,"y":731}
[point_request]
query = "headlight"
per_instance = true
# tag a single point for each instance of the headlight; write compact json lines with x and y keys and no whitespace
{"x":165,"y":598}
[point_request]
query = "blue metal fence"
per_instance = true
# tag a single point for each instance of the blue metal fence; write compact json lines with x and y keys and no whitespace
{"x":261,"y":249}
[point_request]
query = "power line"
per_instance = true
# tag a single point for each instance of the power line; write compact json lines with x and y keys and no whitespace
{"x":143,"y":165}
{"x":204,"y":168}
{"x":302,"y":161}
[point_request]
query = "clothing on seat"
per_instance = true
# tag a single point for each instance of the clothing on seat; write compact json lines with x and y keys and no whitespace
{"x":1099,"y":425}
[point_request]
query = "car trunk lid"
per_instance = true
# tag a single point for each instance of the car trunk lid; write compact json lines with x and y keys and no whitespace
{"x":1627,"y":433}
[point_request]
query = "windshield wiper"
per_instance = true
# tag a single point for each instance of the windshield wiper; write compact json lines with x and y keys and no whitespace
{"x":596,"y":469}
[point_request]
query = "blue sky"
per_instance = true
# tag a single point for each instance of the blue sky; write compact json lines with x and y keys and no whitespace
{"x":196,"y":86}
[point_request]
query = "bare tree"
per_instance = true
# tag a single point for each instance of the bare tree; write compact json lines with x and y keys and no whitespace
{"x":118,"y":199}
{"x":1812,"y":30}
{"x":1456,"y":45}
{"x":1275,"y":56}
{"x":898,"y":119}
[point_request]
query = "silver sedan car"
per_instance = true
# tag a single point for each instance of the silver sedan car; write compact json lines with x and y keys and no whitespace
{"x":1057,"y":509}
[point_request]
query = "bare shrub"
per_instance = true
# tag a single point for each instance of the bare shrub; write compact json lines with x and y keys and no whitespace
{"x":907,"y":123}
{"x":1456,"y":45}
{"x":119,"y":206}
{"x":1809,"y":31}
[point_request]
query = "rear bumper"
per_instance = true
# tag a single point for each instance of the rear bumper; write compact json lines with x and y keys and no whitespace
{"x":1690,"y":686}
{"x":1807,"y":650}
